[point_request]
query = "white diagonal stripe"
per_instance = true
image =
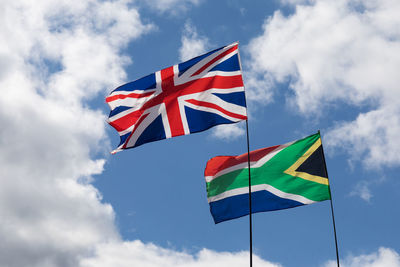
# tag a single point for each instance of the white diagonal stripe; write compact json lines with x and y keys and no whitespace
{"x":152,"y":115}
{"x":184,"y":79}
{"x":130,"y":102}
{"x":136,"y":91}
{"x":193,"y":69}
{"x":229,"y":107}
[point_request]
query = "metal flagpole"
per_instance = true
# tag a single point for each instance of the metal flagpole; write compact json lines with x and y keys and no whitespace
{"x":250,"y":215}
{"x":248,"y":166}
{"x":330,"y":193}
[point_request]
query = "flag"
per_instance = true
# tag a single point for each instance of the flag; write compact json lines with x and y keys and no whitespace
{"x":189,"y":97}
{"x":283,"y":176}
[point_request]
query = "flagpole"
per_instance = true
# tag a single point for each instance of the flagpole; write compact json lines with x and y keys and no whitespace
{"x":330,"y":193}
{"x":248,"y":167}
{"x":250,"y":214}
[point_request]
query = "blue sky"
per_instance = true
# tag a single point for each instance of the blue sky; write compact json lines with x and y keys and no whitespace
{"x":308,"y":65}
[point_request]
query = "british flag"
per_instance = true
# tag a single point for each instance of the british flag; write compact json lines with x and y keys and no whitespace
{"x":189,"y":97}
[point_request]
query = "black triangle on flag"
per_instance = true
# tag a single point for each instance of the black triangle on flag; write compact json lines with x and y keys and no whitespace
{"x":314,"y":164}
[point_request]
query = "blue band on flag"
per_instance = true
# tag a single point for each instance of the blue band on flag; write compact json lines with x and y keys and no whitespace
{"x":234,"y":98}
{"x":184,"y":66}
{"x":154,"y":132}
{"x":238,"y":206}
{"x":211,"y":118}
{"x":231,"y":64}
{"x":144,"y":83}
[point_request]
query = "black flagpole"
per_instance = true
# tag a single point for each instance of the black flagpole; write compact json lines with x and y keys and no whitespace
{"x":250,"y":216}
{"x":248,"y":166}
{"x":333,"y":215}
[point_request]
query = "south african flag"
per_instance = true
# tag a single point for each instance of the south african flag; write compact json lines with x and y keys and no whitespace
{"x":283,"y":176}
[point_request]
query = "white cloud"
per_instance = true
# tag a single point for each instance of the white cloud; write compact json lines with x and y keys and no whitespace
{"x":54,"y":56}
{"x":258,"y":87}
{"x":192,"y":45}
{"x":228,"y":131}
{"x":362,"y":190}
{"x":385,"y":257}
{"x":374,"y":135}
{"x":137,"y":253}
{"x":338,"y":52}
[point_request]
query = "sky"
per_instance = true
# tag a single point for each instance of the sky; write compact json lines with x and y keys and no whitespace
{"x":308,"y":65}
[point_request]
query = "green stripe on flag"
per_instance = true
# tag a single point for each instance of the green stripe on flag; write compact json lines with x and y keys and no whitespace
{"x":272,"y":173}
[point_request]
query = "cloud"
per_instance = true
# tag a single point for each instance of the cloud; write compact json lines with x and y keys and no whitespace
{"x":258,"y":88}
{"x":192,"y":45}
{"x":374,"y":135}
{"x":384,"y":257}
{"x":136,"y":253}
{"x":362,"y":190}
{"x":54,"y":57}
{"x":228,"y":131}
{"x":334,"y":53}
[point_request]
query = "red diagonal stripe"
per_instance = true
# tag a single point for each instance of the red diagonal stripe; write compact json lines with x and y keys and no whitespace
{"x":215,"y":59}
{"x":214,"y":106}
{"x":126,"y":121}
{"x":219,"y":163}
{"x":131,"y":95}
{"x":141,"y":119}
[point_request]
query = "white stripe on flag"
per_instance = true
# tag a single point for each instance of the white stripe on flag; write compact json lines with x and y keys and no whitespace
{"x":260,"y":187}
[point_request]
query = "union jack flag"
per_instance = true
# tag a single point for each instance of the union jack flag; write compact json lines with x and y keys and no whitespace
{"x":189,"y":97}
